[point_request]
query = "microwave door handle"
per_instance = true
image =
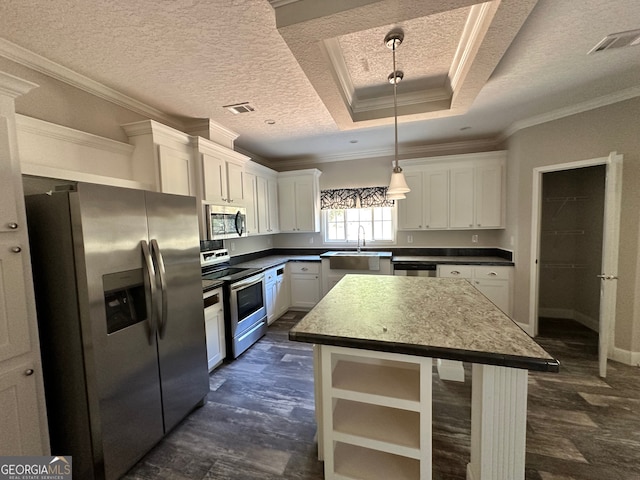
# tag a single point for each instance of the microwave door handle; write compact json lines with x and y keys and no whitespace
{"x":162,"y":273}
{"x":239,"y":223}
{"x":150,"y":287}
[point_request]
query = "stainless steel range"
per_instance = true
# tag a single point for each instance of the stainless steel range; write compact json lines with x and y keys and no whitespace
{"x":244,"y":305}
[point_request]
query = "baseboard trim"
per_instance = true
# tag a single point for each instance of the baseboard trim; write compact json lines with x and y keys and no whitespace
{"x":625,"y":356}
{"x":589,"y":322}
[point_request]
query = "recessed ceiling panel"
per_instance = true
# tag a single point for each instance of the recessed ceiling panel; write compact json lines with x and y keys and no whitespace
{"x":448,"y":53}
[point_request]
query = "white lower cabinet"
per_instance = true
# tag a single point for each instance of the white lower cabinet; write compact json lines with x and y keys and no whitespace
{"x":214,"y":327}
{"x":277,"y":298}
{"x":494,"y":282}
{"x":375,"y":414}
{"x":305,"y":284}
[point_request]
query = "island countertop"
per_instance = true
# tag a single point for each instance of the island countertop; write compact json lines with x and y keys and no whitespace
{"x":433,"y":317}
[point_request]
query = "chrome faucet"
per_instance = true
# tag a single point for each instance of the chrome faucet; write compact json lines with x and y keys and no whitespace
{"x":364,"y":243}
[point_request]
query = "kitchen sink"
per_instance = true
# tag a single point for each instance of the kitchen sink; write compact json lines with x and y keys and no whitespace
{"x":354,"y":261}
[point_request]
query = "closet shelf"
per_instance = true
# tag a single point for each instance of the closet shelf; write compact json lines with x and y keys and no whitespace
{"x":563,"y":232}
{"x":566,"y":199}
{"x":563,"y":265}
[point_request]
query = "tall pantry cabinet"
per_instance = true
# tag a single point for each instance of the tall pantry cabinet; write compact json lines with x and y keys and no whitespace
{"x":23,"y":420}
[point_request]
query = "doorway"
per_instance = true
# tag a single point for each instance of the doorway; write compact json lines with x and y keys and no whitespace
{"x":575,"y":237}
{"x":571,"y":229}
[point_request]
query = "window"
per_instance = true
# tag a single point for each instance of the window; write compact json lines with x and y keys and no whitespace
{"x":342,"y":225}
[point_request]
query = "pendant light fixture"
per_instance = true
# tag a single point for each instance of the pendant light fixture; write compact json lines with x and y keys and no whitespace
{"x":398,"y":185}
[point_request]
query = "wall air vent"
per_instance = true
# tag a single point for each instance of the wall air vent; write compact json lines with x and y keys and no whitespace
{"x":629,"y":38}
{"x":236,"y":108}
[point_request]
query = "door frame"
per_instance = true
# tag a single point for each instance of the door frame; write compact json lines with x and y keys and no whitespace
{"x":611,"y":238}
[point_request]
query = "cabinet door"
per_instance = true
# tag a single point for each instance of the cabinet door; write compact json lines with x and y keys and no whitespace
{"x":235,"y":185}
{"x":18,"y":402}
{"x":272,"y":194}
{"x":305,"y":205}
{"x":14,"y":333}
{"x":495,"y":290}
{"x":305,"y":290}
{"x":410,"y":213}
{"x":214,"y":327}
{"x":489,"y":196}
{"x":282,"y":295}
{"x":175,"y":171}
{"x":461,"y":198}
{"x":287,"y":206}
{"x":8,"y":211}
{"x":436,"y":199}
{"x":262,"y":194}
{"x":251,"y":203}
{"x":215,"y":179}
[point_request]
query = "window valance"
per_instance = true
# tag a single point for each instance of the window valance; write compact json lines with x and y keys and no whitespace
{"x":341,"y":198}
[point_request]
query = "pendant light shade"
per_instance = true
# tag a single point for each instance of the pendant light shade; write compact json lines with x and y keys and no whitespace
{"x":398,"y":185}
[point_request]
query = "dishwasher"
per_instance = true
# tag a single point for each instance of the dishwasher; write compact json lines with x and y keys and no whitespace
{"x":414,"y":269}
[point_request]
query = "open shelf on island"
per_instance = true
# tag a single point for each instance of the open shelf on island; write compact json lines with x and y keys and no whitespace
{"x":378,"y":427}
{"x":378,"y":383}
{"x":353,"y":462}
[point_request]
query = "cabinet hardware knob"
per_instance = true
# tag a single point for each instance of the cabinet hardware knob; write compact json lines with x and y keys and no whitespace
{"x":304,"y":269}
{"x":16,"y":249}
{"x":384,"y":329}
{"x":28,"y":372}
{"x":13,"y":225}
{"x":471,"y":224}
{"x":426,"y":226}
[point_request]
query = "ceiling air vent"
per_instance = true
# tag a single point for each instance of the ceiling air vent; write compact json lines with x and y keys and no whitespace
{"x":236,"y":108}
{"x":618,"y":40}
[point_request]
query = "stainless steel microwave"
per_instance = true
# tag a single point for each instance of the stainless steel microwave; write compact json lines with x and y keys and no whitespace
{"x":224,"y":221}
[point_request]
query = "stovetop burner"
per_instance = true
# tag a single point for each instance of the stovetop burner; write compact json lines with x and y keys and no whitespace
{"x":224,"y":272}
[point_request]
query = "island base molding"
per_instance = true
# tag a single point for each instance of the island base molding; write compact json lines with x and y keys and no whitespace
{"x":374,"y":415}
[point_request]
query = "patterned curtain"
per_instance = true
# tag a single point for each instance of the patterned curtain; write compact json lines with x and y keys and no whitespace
{"x":341,"y":198}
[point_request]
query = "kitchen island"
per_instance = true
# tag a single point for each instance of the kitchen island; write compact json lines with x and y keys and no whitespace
{"x":375,"y":338}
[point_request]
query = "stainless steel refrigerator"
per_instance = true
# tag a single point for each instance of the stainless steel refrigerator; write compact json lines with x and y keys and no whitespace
{"x":119,"y":299}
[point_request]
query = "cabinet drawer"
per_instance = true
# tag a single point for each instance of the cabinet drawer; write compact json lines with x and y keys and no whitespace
{"x":491,"y":273}
{"x":304,"y":267}
{"x":454,"y":271}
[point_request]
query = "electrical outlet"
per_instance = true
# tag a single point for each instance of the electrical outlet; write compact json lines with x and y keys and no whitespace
{"x":269,"y":240}
{"x":233,"y":246}
{"x":474,"y":238}
{"x":310,"y":239}
{"x":409,"y":238}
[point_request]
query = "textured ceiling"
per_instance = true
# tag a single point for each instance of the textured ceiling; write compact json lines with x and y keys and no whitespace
{"x":188,"y":58}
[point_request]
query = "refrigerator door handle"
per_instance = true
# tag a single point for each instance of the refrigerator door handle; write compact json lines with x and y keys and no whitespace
{"x":150,"y":286}
{"x":159,"y":260}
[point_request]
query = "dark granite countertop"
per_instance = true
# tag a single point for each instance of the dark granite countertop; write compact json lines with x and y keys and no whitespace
{"x":452,"y":260}
{"x":275,"y":260}
{"x":432,"y":317}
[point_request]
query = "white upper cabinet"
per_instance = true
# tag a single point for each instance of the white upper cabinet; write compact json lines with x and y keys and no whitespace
{"x":299,"y":201}
{"x":223,"y":173}
{"x":426,"y":205}
{"x":264,"y":185}
{"x":455,"y":192}
{"x":251,"y":203}
{"x":163,"y":157}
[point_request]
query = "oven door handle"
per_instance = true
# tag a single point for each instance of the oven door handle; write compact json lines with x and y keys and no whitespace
{"x":150,"y":286}
{"x":246,"y":283}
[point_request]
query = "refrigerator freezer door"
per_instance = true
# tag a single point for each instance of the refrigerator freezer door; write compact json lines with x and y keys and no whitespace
{"x":175,"y":241}
{"x":109,"y":226}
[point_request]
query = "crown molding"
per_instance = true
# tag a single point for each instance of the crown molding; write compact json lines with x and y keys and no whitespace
{"x":13,"y":86}
{"x":42,"y":128}
{"x":592,"y":104}
{"x":418,"y":151}
{"x":36,"y":62}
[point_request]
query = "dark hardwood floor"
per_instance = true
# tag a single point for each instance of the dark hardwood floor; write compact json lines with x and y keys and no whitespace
{"x":258,"y":422}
